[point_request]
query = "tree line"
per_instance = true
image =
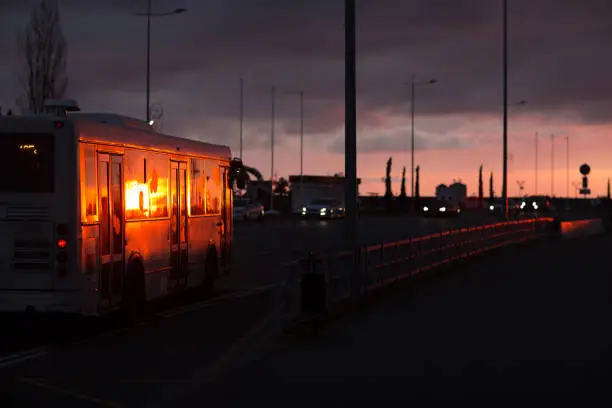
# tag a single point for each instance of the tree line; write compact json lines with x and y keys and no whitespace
{"x":43,"y":52}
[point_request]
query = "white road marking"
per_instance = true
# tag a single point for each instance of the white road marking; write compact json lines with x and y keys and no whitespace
{"x":21,"y":357}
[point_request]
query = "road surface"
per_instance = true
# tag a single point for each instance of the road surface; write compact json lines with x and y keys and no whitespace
{"x":528,"y":323}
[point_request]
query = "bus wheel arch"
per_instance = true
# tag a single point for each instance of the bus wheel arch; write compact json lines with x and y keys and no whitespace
{"x":133,"y":293}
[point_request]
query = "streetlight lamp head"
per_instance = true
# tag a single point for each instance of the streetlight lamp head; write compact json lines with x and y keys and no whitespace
{"x":433,"y":81}
{"x":180,"y":10}
{"x":523,"y":102}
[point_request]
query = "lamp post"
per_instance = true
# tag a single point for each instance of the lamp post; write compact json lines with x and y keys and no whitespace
{"x":301,"y":95}
{"x":567,"y":165}
{"x":552,"y":165}
{"x":350,"y":142}
{"x":535,"y":190}
{"x":148,"y":15}
{"x":272,"y":123}
{"x":241,"y":115}
{"x":413,"y":84}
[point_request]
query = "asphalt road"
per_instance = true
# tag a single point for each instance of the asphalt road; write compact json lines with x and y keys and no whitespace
{"x":260,"y":248}
{"x":526,"y":324}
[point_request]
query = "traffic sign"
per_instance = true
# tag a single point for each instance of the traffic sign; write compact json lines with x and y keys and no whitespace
{"x":585,"y":169}
{"x":585,"y":191}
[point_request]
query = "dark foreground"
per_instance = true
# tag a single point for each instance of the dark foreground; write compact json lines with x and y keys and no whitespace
{"x":528,"y":324}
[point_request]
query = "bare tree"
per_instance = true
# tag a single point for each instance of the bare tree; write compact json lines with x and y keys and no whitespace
{"x":43,"y":51}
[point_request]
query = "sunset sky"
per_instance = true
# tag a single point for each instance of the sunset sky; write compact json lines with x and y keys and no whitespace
{"x":560,"y":62}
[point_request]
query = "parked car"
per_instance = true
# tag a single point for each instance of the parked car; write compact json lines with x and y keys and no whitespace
{"x":245,"y":209}
{"x":323,"y":208}
{"x":440,"y":208}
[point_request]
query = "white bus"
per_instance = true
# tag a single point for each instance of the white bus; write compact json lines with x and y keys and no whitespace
{"x":99,"y":212}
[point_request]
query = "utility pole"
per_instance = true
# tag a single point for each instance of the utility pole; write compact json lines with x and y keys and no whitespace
{"x":412,"y":98}
{"x":350,"y":143}
{"x":567,"y":165}
{"x":301,"y":144}
{"x":552,"y":165}
{"x":272,"y":147}
{"x":241,"y":114}
{"x":505,"y":113}
{"x":536,"y":164}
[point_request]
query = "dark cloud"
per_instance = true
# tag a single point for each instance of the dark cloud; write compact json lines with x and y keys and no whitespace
{"x":559,"y":58}
{"x":372,"y":141}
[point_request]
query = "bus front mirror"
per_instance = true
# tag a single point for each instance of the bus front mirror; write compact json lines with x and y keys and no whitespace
{"x":237,"y":174}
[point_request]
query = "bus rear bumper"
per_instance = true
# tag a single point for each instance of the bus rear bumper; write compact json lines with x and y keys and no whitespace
{"x":30,"y":301}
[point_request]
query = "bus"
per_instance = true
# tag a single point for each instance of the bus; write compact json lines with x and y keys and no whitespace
{"x":100,"y":213}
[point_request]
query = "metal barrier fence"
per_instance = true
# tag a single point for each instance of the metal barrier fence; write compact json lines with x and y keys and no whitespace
{"x":351,"y":275}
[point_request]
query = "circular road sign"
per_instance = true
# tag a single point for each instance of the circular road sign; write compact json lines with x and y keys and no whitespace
{"x":585,"y":169}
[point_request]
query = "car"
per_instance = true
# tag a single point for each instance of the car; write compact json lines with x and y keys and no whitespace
{"x":323,"y":208}
{"x":245,"y":209}
{"x":440,"y":208}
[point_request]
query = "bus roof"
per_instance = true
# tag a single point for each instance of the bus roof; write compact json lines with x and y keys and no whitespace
{"x":94,"y":127}
{"x":123,"y":131}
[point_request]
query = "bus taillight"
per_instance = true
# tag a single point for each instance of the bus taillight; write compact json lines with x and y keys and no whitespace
{"x":62,"y":243}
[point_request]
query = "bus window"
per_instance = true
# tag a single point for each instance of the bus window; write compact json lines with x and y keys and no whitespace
{"x":157,"y":175}
{"x":27,"y":163}
{"x":197,"y":187}
{"x":213,"y":188}
{"x":136,"y":190}
{"x":104,"y":213}
{"x":89,"y":185}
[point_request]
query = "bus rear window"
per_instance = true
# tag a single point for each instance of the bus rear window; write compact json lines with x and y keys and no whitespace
{"x":27,"y":163}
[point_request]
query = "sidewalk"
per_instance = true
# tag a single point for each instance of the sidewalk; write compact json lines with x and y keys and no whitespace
{"x":528,"y":322}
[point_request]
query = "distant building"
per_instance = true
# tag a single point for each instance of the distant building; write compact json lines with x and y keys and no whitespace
{"x":314,"y":187}
{"x":455,"y":192}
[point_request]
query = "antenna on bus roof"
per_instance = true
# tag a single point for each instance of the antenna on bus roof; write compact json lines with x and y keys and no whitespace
{"x":60,"y":107}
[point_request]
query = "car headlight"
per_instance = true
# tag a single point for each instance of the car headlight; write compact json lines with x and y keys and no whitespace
{"x":491,"y":207}
{"x":425,"y":208}
{"x":323,"y":210}
{"x":523,"y":204}
{"x":535,"y":206}
{"x":442,"y":209}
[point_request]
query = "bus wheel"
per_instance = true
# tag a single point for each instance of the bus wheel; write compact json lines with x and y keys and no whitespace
{"x":133,"y":295}
{"x":211,"y":270}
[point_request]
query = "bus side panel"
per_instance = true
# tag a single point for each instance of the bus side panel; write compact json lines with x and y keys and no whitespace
{"x":202,"y":230}
{"x":150,"y":240}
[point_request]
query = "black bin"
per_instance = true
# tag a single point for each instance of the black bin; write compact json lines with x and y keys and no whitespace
{"x":314,"y":294}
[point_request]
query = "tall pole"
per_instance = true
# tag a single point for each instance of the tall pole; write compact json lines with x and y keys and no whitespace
{"x":552,"y":165}
{"x":536,"y":164}
{"x":567,"y":166}
{"x":412,"y":98}
{"x":148,"y":90}
{"x":241,"y":114}
{"x":505,"y":114}
{"x":301,"y":144}
{"x":272,"y":148}
{"x":350,"y":140}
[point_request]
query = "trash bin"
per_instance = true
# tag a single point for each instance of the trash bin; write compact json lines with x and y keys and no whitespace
{"x":314,"y":294}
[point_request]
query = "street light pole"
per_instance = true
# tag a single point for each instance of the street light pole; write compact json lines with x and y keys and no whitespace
{"x":552,"y":165}
{"x":350,"y":143}
{"x":301,"y":144}
{"x":272,"y":147}
{"x":412,"y":98}
{"x":505,"y":108}
{"x":148,"y":88}
{"x":567,"y":165}
{"x":413,"y":84}
{"x":241,"y":114}
{"x":536,"y":164}
{"x":148,"y":15}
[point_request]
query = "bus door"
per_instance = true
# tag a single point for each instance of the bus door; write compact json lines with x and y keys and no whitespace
{"x":110,"y":185}
{"x":178,"y":227}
